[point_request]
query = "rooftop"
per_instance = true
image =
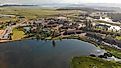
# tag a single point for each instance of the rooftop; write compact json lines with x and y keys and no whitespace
{"x":1,"y":32}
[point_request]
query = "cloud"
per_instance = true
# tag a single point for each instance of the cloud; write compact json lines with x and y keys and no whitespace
{"x":59,"y":1}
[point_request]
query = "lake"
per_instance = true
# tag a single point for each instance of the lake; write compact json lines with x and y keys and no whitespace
{"x":42,"y":54}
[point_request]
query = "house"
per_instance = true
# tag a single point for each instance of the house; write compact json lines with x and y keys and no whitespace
{"x":27,"y":29}
{"x":96,"y":17}
{"x":6,"y":36}
{"x":107,"y":19}
{"x":81,"y":25}
{"x":103,"y":26}
{"x":70,"y":32}
{"x":1,"y":33}
{"x":109,"y":27}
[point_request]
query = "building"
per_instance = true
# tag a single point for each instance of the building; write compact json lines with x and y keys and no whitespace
{"x":107,"y":19}
{"x":115,"y":28}
{"x":81,"y":25}
{"x":109,"y":27}
{"x":1,"y":33}
{"x":71,"y":32}
{"x":62,"y":18}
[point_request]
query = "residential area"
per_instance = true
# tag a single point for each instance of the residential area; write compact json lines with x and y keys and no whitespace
{"x":58,"y":34}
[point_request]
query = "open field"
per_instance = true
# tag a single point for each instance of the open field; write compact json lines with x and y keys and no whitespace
{"x":17,"y":35}
{"x":25,"y":12}
{"x":30,"y":13}
{"x":118,"y":37}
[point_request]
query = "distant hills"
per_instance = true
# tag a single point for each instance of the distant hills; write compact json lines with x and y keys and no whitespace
{"x":96,"y":6}
{"x":68,"y":4}
{"x":9,"y":5}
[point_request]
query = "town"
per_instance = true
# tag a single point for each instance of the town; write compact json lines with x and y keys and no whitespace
{"x":96,"y":27}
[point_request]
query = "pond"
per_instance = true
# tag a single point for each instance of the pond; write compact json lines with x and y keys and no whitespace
{"x":42,"y":54}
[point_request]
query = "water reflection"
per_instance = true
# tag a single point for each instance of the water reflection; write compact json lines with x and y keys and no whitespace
{"x":41,"y":54}
{"x":53,"y":43}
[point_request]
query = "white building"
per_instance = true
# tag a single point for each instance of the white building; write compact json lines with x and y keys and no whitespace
{"x":107,"y":19}
{"x":81,"y":25}
{"x":115,"y":28}
{"x":62,"y":18}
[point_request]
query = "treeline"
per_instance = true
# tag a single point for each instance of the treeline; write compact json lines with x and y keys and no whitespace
{"x":81,"y":8}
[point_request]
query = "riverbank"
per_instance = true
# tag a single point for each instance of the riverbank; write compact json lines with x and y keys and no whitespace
{"x":2,"y":41}
{"x":18,"y":35}
{"x":95,"y":62}
{"x":57,"y":53}
{"x":114,"y":51}
{"x":5,"y":41}
{"x":92,"y":62}
{"x":87,"y":61}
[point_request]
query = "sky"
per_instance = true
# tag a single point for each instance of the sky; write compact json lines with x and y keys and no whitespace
{"x":58,"y":1}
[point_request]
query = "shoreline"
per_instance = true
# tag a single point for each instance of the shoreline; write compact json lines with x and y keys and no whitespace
{"x":5,"y":41}
{"x":82,"y":38}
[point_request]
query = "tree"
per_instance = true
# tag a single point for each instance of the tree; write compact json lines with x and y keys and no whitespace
{"x":88,"y":24}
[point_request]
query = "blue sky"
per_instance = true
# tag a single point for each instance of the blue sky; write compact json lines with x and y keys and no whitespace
{"x":59,"y":1}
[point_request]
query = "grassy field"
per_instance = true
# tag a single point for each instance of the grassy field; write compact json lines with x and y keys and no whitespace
{"x":31,"y":13}
{"x":92,"y":62}
{"x":118,"y":37}
{"x":17,"y":35}
{"x":28,"y":13}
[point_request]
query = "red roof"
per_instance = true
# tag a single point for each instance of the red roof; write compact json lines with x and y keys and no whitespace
{"x":1,"y":32}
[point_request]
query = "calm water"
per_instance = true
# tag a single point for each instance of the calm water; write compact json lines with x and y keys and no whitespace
{"x":42,"y":54}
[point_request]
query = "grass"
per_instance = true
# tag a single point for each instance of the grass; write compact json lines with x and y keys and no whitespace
{"x":115,"y":52}
{"x":97,"y":28}
{"x":92,"y":62}
{"x":28,"y":13}
{"x":2,"y":27}
{"x":31,"y":13}
{"x":118,"y":37}
{"x":17,"y":35}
